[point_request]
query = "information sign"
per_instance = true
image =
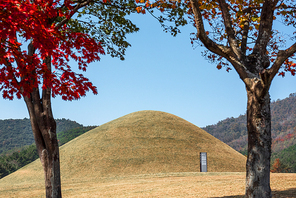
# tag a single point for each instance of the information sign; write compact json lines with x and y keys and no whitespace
{"x":203,"y":162}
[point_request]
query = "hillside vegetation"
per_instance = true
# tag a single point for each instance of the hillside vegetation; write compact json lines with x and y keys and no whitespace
{"x":16,"y":133}
{"x":18,"y":159}
{"x":287,"y":157}
{"x":143,"y":142}
{"x":27,"y":154}
{"x":233,"y":131}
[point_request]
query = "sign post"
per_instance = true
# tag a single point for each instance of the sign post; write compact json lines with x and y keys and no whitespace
{"x":203,"y":162}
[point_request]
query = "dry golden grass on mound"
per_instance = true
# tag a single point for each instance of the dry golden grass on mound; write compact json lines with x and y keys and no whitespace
{"x":143,"y":142}
{"x":147,"y":142}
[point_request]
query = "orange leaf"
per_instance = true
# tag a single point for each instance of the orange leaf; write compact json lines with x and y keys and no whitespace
{"x":139,"y":9}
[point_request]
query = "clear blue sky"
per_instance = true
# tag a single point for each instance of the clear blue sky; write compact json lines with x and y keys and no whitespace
{"x":161,"y":73}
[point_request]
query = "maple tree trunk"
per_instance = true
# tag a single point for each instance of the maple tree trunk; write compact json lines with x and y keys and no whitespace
{"x":259,"y":141}
{"x":44,"y":130}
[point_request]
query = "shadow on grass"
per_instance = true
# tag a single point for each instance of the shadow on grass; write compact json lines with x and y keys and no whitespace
{"x":290,"y":193}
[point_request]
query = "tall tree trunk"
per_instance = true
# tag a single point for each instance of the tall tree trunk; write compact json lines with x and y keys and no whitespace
{"x":44,"y":130}
{"x":259,"y":140}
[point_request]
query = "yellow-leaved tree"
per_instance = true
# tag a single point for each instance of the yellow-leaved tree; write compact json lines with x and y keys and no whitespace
{"x":240,"y":34}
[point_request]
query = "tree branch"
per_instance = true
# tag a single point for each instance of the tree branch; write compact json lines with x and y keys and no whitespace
{"x":31,"y":52}
{"x":201,"y":33}
{"x":220,"y":50}
{"x":36,"y":132}
{"x":9,"y":67}
{"x":265,"y":27}
{"x":41,"y":118}
{"x":76,"y":8}
{"x":229,"y":30}
{"x":46,"y":95}
{"x":35,"y":107}
{"x":250,"y":9}
{"x":245,"y":36}
{"x":280,"y":59}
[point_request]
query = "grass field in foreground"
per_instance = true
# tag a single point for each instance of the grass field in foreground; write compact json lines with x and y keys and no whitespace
{"x":157,"y":185}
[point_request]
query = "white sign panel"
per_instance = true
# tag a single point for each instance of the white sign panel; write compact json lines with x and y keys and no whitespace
{"x":203,"y":162}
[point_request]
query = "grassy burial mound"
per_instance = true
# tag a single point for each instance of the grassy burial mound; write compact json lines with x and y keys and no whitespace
{"x":143,"y":142}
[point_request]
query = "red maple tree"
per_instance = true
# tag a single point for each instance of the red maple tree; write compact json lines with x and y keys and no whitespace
{"x":23,"y":70}
{"x":37,"y":41}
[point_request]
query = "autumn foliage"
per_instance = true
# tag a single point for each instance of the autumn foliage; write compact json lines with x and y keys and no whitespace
{"x":23,"y":22}
{"x":245,"y":17}
{"x":242,"y":35}
{"x":278,"y":167}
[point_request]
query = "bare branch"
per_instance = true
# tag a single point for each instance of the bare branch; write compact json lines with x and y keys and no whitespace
{"x":31,"y":52}
{"x":265,"y":26}
{"x":250,"y":9}
{"x":280,"y":59}
{"x":9,"y":67}
{"x":46,"y":93}
{"x":220,"y":50}
{"x":31,"y":49}
{"x":76,"y":8}
{"x":245,"y":36}
{"x":229,"y":30}
{"x":201,"y":33}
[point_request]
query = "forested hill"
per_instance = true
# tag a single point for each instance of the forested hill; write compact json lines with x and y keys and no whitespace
{"x":15,"y":133}
{"x":233,"y":131}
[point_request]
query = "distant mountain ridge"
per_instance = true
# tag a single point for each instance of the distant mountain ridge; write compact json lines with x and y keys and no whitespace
{"x":16,"y":133}
{"x":233,"y":131}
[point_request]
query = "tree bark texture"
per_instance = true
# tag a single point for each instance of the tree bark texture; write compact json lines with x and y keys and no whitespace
{"x":44,"y":130}
{"x":259,"y":141}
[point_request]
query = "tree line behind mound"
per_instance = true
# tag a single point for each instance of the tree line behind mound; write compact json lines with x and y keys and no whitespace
{"x":14,"y":159}
{"x":16,"y":133}
{"x":233,"y":131}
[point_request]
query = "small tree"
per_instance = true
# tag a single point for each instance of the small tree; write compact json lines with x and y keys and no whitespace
{"x":240,"y":33}
{"x":276,"y":167}
{"x":37,"y":41}
{"x":279,"y":167}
